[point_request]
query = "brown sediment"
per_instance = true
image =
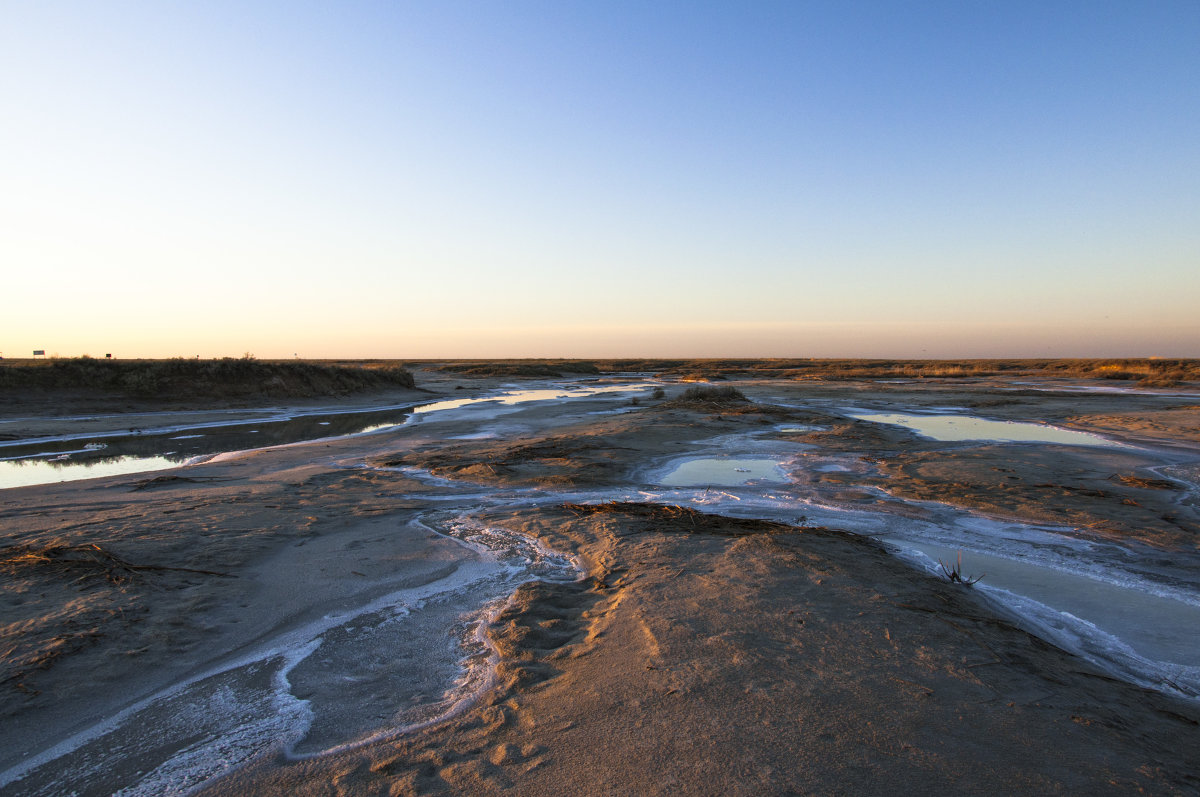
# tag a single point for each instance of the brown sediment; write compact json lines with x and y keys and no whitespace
{"x":1178,"y":423}
{"x":110,"y":592}
{"x":1099,"y":491}
{"x":723,"y":656}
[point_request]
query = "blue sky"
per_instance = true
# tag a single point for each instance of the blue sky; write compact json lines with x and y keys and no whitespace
{"x":567,"y":179}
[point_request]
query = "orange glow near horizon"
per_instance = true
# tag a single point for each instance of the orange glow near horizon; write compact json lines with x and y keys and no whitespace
{"x":759,"y":341}
{"x":447,"y":180}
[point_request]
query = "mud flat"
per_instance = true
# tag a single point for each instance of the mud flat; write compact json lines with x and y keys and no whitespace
{"x":714,"y":655}
{"x":576,"y":620}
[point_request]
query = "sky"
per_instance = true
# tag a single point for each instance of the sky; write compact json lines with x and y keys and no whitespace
{"x":603,"y":179}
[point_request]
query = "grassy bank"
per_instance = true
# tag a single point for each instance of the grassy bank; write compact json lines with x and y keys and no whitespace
{"x":1143,"y":371}
{"x":188,"y":379}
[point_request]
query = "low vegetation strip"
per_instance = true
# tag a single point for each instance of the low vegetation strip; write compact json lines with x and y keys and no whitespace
{"x":703,"y":397}
{"x":186,"y":379}
{"x":1145,"y":371}
{"x":530,"y":368}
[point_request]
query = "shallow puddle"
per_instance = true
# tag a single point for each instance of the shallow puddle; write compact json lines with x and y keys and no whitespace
{"x":964,"y":427}
{"x":723,"y":472}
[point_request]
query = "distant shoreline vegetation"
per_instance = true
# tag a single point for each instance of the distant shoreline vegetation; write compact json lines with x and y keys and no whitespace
{"x":527,"y":368}
{"x":1146,"y":372}
{"x":246,"y":377}
{"x":181,"y":378}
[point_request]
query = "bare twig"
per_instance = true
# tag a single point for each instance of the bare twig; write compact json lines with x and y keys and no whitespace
{"x":954,"y":574}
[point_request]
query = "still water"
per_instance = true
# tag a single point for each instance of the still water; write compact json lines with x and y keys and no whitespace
{"x":965,"y":427}
{"x":71,"y":457}
{"x":723,"y":472}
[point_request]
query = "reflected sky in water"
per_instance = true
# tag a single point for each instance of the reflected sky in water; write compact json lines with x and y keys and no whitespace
{"x":26,"y":472}
{"x":964,"y":427}
{"x":70,"y":457}
{"x":721,"y":472}
{"x":521,"y":396}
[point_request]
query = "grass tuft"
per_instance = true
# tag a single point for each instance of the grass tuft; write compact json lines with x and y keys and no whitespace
{"x":704,"y":397}
{"x":955,"y":575}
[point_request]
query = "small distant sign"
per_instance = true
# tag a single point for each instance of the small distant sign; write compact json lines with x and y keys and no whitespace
{"x":39,"y":352}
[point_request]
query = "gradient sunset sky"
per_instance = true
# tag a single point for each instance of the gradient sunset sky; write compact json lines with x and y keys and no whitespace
{"x":485,"y":179}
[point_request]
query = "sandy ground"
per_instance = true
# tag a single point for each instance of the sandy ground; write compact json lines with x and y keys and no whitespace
{"x":699,"y":654}
{"x":727,"y":658}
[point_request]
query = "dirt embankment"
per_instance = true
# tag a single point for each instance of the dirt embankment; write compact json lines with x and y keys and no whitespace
{"x":192,"y":380}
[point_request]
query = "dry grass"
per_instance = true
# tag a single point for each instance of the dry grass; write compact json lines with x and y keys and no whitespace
{"x":1145,"y":371}
{"x":701,"y":397}
{"x":246,"y":377}
{"x":521,"y":368}
{"x":954,"y":573}
{"x":180,"y":378}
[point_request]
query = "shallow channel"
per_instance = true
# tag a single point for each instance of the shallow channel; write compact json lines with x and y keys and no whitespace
{"x":72,"y":457}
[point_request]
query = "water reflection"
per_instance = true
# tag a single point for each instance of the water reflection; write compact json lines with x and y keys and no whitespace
{"x":1113,"y":608}
{"x":73,"y":457}
{"x":49,"y":461}
{"x":965,"y":427}
{"x":721,"y":472}
{"x":26,"y":472}
{"x":514,"y":397}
